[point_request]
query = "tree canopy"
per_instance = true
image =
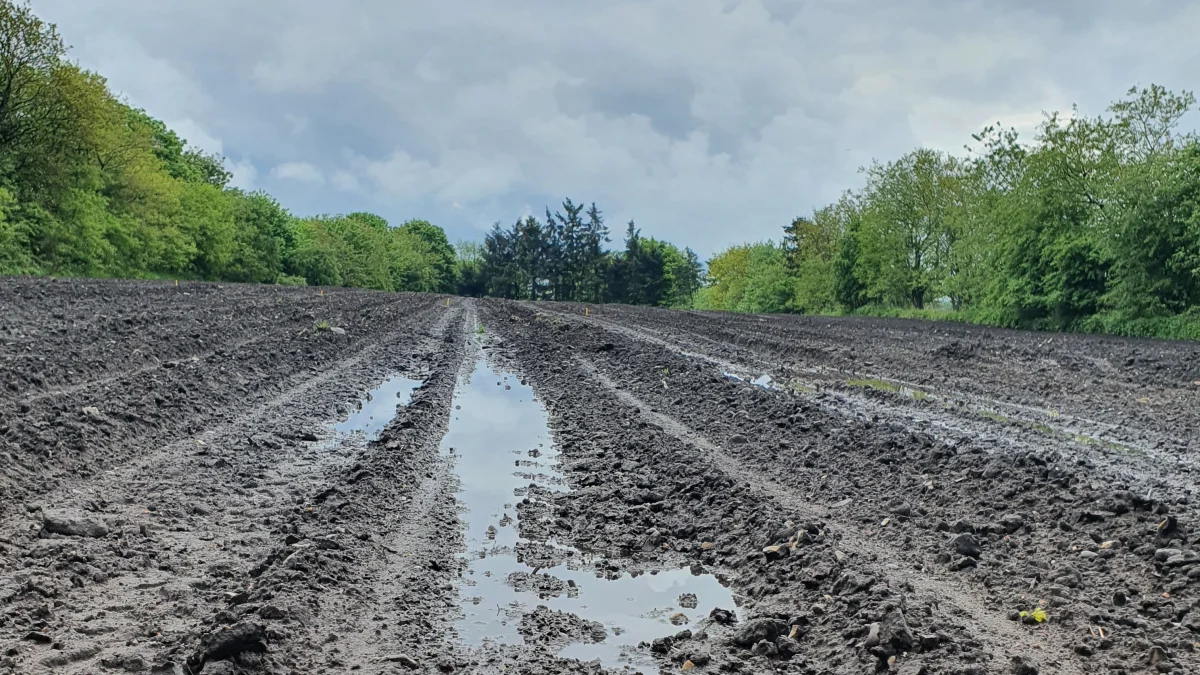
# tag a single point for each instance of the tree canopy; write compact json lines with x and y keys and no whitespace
{"x":92,"y":186}
{"x":1093,"y":225}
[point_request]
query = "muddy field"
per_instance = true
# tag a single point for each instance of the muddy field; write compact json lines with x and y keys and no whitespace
{"x":234,"y":479}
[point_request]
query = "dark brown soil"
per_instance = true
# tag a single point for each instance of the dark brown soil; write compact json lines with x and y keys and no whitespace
{"x":901,"y":497}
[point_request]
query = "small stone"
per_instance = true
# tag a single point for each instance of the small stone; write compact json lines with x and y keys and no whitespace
{"x":1119,"y":599}
{"x":758,"y":630}
{"x":271,"y":612}
{"x":1088,"y":555}
{"x":966,"y":544}
{"x":872,"y":635}
{"x":1023,"y":666}
{"x":894,"y":631}
{"x":1185,"y":559}
{"x":403,"y":659}
{"x":1157,"y":654}
{"x":722,"y":616}
{"x":765,"y":648}
{"x":73,"y":527}
{"x":1162,"y":554}
{"x":787,"y":647}
{"x":1011,"y":523}
{"x":37,"y":636}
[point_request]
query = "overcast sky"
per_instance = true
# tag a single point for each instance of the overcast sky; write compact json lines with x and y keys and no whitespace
{"x":709,"y":122}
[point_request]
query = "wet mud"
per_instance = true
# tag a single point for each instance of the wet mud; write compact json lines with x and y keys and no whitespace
{"x":211,"y":479}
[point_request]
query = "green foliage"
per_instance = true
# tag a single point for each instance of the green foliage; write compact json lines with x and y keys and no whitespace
{"x":1094,"y":226}
{"x":749,"y":278}
{"x":562,"y":258}
{"x":443,"y":260}
{"x":468,"y":262}
{"x":90,"y":186}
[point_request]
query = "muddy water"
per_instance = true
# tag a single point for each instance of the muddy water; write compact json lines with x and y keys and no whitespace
{"x":502,"y":446}
{"x":378,"y":407}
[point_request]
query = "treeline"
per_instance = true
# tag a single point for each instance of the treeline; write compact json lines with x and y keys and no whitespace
{"x":563,"y":258}
{"x":1094,"y":226}
{"x":91,"y":186}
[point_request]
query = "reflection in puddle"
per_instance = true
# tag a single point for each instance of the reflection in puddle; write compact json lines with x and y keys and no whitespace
{"x":763,"y":380}
{"x":378,"y":407}
{"x":500,"y":439}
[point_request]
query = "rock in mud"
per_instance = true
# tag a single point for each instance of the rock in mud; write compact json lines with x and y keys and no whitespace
{"x":547,"y":626}
{"x":757,"y":630}
{"x":787,"y":647}
{"x":966,"y":544}
{"x":662,"y":645}
{"x":1023,"y":666}
{"x":895,"y":633}
{"x":403,"y":659}
{"x":722,"y":616}
{"x":228,"y":643}
{"x":73,"y":526}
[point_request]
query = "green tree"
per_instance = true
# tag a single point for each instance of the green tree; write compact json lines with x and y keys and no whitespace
{"x":261,"y":237}
{"x":443,"y":258}
{"x":905,"y":235}
{"x":469,"y":259}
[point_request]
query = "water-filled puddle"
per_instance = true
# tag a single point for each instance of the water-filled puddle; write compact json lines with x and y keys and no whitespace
{"x":378,"y":408}
{"x":763,"y":380}
{"x":504,"y":453}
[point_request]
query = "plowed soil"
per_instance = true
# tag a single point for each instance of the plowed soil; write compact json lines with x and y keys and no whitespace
{"x":195,"y":479}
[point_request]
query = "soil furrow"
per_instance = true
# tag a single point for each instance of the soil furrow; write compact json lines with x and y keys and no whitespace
{"x":225,"y":480}
{"x":959,"y":603}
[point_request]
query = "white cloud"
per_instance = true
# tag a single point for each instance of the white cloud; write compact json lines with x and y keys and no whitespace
{"x":195,"y":135}
{"x":244,"y":175}
{"x":708,"y":121}
{"x":298,"y":171}
{"x":344,"y":180}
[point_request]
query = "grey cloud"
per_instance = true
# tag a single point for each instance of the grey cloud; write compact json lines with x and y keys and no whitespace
{"x":709,"y":121}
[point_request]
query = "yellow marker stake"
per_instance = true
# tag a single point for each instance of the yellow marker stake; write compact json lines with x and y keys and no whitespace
{"x":447,"y":302}
{"x":321,"y":292}
{"x":585,"y":311}
{"x":176,"y":282}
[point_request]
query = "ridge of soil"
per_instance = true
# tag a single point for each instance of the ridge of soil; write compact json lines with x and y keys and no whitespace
{"x":879,"y":496}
